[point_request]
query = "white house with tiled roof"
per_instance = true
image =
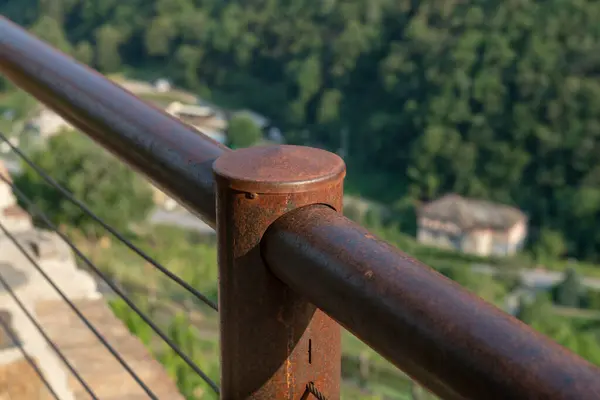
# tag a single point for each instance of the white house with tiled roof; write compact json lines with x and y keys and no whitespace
{"x":472,"y":226}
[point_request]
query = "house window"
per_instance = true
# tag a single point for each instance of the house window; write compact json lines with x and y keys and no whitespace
{"x":500,"y":248}
{"x":456,"y":242}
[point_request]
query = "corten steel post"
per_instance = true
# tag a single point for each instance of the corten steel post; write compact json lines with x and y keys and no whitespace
{"x":273,"y":341}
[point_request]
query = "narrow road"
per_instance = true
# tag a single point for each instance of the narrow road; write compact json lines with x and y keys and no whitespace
{"x":532,"y":280}
{"x":537,"y":278}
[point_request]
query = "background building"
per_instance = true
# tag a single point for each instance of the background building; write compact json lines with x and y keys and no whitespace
{"x":472,"y":226}
{"x":211,"y":122}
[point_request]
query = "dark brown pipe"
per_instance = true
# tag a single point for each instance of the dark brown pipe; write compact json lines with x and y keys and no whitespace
{"x":175,"y":156}
{"x":451,"y":341}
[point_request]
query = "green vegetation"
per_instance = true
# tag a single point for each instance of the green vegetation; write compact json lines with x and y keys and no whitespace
{"x":550,"y":246}
{"x":579,"y":335}
{"x":189,"y":255}
{"x":193,"y":257}
{"x":569,"y":292}
{"x":201,"y":351}
{"x":18,"y":101}
{"x":112,"y":190}
{"x":492,"y":99}
{"x":242,"y":132}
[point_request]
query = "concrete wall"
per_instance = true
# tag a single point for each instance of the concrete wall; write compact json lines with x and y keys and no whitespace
{"x":479,"y":242}
{"x":17,"y":224}
{"x":7,"y":198}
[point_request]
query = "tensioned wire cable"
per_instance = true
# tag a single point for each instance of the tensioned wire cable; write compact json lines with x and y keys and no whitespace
{"x":37,"y":325}
{"x":35,"y":210}
{"x":52,"y":182}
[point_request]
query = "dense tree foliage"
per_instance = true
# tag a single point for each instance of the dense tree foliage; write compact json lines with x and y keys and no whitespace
{"x":580,"y":337}
{"x":550,"y":245}
{"x":493,"y":99}
{"x":242,"y":132}
{"x":109,"y":188}
{"x":569,"y":292}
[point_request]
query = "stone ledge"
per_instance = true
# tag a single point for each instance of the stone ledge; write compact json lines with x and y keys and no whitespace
{"x":101,"y":371}
{"x":18,"y":380}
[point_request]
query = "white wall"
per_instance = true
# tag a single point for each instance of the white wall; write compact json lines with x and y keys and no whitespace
{"x":7,"y":198}
{"x":14,"y":225}
{"x":482,"y":242}
{"x":517,"y":236}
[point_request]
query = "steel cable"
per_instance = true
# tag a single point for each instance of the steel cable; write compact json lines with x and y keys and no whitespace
{"x":52,"y":182}
{"x":312,"y":389}
{"x":40,"y":329}
{"x":32,"y":208}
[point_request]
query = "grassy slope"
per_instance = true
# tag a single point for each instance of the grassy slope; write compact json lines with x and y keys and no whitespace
{"x":185,"y":255}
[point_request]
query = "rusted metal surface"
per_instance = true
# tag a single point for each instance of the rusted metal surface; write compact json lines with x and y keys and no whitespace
{"x":273,"y":341}
{"x":175,"y":156}
{"x":449,"y":340}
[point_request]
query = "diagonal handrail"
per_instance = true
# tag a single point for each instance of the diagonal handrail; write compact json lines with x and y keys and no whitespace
{"x":451,"y":341}
{"x":170,"y":153}
{"x":441,"y":335}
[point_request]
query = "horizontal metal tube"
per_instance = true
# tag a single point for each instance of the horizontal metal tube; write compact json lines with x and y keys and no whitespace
{"x":175,"y":156}
{"x":451,"y":341}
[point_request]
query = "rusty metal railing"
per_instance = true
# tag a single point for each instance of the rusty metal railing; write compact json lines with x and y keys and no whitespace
{"x":292,"y":267}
